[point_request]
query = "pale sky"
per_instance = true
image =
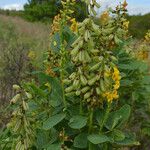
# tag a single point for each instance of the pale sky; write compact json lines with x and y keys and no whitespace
{"x":134,"y":7}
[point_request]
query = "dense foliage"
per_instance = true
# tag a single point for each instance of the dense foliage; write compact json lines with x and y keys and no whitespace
{"x":37,"y":10}
{"x":92,"y":93}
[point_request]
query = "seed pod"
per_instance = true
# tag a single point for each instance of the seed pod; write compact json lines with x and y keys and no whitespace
{"x":95,"y":51}
{"x":102,"y":85}
{"x":93,"y":11}
{"x":95,"y":27}
{"x":96,"y":4}
{"x":25,"y":105}
{"x":76,"y":83}
{"x":17,"y":126}
{"x":66,"y":81}
{"x":25,"y":121}
{"x":15,"y":99}
{"x":16,"y":87}
{"x":98,"y":91}
{"x":113,"y":58}
{"x":69,"y":89}
{"x":70,"y":94}
{"x":72,"y":76}
{"x":75,"y":51}
{"x":83,"y":80}
{"x":26,"y":144}
{"x":80,"y":56}
{"x":78,"y":93}
{"x":87,"y":57}
{"x":29,"y":96}
{"x":22,"y":147}
{"x":18,"y":146}
{"x":77,"y":41}
{"x":87,"y":95}
{"x":95,"y":67}
{"x":87,"y":35}
{"x":92,"y":81}
{"x":85,"y":89}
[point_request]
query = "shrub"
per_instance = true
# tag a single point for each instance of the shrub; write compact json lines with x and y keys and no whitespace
{"x":86,"y":97}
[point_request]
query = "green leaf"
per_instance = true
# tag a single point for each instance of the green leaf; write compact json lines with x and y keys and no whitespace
{"x":128,"y":141}
{"x":118,"y":135}
{"x":118,"y":118}
{"x":54,"y":147}
{"x":52,"y":121}
{"x":80,"y":141}
{"x":98,"y":138}
{"x":78,"y":122}
{"x":55,"y":42}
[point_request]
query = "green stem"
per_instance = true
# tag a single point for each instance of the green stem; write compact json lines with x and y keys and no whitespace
{"x":81,"y":109}
{"x":62,"y":61}
{"x":105,"y":116}
{"x":91,"y":120}
{"x":90,"y":126}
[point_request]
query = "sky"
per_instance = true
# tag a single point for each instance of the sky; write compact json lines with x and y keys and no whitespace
{"x":134,"y":7}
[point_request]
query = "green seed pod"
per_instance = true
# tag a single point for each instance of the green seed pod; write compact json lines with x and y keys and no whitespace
{"x":96,"y":4}
{"x":95,"y":67}
{"x":29,"y":96}
{"x":95,"y":27}
{"x":87,"y":95}
{"x":75,"y":51}
{"x":69,"y":89}
{"x":83,"y":80}
{"x":85,"y":89}
{"x":77,"y":41}
{"x":76,"y":83}
{"x":22,"y":147}
{"x":87,"y":35}
{"x":17,"y":126}
{"x":16,"y":87}
{"x":92,"y":81}
{"x":70,"y":94}
{"x":18,"y":146}
{"x":72,"y":76}
{"x":95,"y":51}
{"x":15,"y":99}
{"x":26,"y":144}
{"x":98,"y":91}
{"x":87,"y":57}
{"x":113,"y":58}
{"x":25,"y":105}
{"x":102,"y":85}
{"x":78,"y":93}
{"x":93,"y":11}
{"x":88,"y":100}
{"x":66,"y":81}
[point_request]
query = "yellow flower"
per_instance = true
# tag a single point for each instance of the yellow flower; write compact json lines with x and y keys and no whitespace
{"x":104,"y":18}
{"x":74,"y":25}
{"x":32,"y":55}
{"x":117,"y":85}
{"x":126,"y":24}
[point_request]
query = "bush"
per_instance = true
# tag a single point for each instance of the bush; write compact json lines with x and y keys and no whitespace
{"x":90,"y":92}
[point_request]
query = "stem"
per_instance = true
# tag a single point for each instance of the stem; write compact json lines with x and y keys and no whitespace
{"x":105,"y":116}
{"x":91,"y":120}
{"x":90,"y":126}
{"x":81,"y":109}
{"x":62,"y":61}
